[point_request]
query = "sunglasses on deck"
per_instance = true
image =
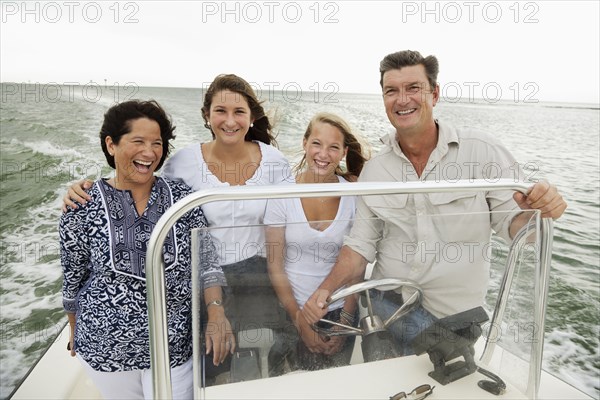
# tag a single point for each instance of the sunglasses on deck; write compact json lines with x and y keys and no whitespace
{"x":418,"y":393}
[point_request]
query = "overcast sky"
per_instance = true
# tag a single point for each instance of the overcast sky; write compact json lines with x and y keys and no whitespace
{"x":527,"y":50}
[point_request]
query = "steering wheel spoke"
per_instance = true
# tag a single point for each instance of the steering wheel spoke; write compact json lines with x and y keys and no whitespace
{"x":371,"y":323}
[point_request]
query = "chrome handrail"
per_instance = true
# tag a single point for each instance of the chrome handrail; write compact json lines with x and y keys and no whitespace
{"x":157,"y":321}
{"x":518,"y":242}
{"x":503,"y":291}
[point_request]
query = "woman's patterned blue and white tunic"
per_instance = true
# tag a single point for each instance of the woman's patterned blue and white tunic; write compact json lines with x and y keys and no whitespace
{"x":103,"y":252}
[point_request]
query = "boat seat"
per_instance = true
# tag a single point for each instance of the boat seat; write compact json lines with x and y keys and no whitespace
{"x":261,"y":339}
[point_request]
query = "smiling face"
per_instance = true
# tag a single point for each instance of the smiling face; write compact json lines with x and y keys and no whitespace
{"x":324,"y":149}
{"x":137,"y":154}
{"x":409,"y":99}
{"x":229,"y":117}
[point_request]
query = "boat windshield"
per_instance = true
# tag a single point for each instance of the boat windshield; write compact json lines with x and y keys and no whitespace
{"x":467,"y":286}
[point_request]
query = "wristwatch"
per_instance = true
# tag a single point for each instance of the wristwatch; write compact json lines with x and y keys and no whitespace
{"x":217,"y":302}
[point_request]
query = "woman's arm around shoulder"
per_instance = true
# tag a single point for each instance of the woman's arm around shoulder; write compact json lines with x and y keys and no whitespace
{"x":77,"y":194}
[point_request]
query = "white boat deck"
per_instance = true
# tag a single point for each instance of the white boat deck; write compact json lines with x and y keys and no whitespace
{"x":59,"y":376}
{"x":379,"y":380}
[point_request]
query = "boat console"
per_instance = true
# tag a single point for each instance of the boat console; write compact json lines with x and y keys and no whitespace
{"x":510,"y":343}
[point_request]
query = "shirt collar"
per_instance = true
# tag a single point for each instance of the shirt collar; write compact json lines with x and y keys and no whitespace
{"x":446,"y":135}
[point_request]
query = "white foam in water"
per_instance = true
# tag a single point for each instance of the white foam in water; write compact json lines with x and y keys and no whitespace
{"x":563,"y":354}
{"x":21,"y":279}
{"x":47,"y":148}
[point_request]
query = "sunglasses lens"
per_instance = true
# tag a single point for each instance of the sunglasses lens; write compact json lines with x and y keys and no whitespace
{"x":422,"y":389}
{"x":418,"y":393}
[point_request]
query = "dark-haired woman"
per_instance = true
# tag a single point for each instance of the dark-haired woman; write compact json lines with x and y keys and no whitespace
{"x":103,"y":251}
{"x":241,"y":153}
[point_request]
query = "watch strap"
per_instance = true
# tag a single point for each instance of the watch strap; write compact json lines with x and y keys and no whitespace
{"x":217,"y":302}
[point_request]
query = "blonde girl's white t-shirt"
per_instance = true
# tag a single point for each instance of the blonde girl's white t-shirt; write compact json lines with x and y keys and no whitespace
{"x":236,"y":226}
{"x":309,"y":253}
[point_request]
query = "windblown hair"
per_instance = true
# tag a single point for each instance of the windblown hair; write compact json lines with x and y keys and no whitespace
{"x":118,"y":120}
{"x":355,"y":158}
{"x":408,"y":58}
{"x":262,"y":129}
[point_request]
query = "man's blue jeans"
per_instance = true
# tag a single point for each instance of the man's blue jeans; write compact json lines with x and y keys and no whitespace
{"x":405,"y":329}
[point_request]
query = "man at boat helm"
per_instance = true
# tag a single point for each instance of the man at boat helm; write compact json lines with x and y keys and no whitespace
{"x":399,"y":232}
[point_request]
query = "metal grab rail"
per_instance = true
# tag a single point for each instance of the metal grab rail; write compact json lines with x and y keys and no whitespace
{"x":540,"y":289}
{"x":155,"y":277}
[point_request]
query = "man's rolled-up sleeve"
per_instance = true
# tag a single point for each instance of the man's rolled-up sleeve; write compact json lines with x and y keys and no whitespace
{"x":366,"y":231}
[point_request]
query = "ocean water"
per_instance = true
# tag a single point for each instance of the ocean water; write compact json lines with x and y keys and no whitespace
{"x":49,"y":138}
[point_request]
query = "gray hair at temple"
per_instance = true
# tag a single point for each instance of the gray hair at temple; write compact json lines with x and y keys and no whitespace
{"x":406,"y":58}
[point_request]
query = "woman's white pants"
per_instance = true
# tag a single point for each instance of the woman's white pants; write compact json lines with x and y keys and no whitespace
{"x":138,"y":384}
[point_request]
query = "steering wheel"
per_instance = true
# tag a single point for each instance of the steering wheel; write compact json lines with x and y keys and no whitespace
{"x":377,"y":341}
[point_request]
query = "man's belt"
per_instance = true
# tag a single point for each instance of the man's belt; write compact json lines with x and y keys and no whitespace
{"x":388,"y":295}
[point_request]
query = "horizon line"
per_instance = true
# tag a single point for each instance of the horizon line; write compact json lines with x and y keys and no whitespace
{"x":474,"y":100}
